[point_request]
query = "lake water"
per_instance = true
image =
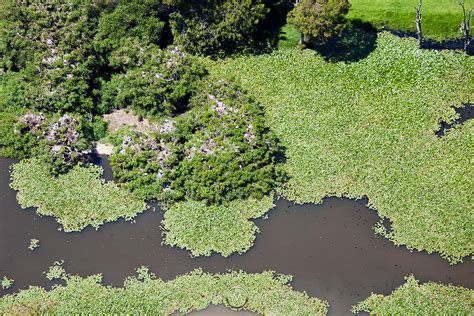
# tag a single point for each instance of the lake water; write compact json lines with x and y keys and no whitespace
{"x":330,"y":249}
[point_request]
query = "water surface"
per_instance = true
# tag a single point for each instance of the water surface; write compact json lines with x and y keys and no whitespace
{"x":330,"y":249}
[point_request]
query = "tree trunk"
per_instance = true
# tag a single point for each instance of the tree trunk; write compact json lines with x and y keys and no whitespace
{"x":418,"y":25}
{"x":466,"y":25}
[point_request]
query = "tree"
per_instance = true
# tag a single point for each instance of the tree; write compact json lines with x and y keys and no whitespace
{"x":466,"y":25}
{"x":131,"y":22}
{"x":319,"y":20}
{"x":49,"y":46}
{"x":216,"y":27}
{"x":418,"y":25}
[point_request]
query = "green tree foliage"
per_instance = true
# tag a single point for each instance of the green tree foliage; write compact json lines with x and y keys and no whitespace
{"x":413,"y":298}
{"x":319,"y":20}
{"x":229,"y":152}
{"x":217,"y":27}
{"x":51,"y":45}
{"x":218,"y":151}
{"x":160,"y":86}
{"x":61,"y":142}
{"x":131,"y":22}
{"x":265,"y":293}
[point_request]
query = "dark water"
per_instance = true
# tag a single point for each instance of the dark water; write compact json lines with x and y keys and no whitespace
{"x":330,"y":249}
{"x":465,"y":113}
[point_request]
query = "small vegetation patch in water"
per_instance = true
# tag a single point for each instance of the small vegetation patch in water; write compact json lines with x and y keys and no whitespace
{"x":224,"y":228}
{"x":413,"y":298}
{"x":7,"y":283}
{"x":76,"y":199}
{"x":367,"y":128}
{"x":265,"y":293}
{"x":34,"y":243}
{"x":56,"y":271}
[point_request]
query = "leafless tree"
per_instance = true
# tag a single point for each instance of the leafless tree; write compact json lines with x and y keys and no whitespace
{"x":418,"y":25}
{"x":466,"y":25}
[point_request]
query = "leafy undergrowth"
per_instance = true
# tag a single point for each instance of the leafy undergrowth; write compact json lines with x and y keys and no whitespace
{"x":414,"y":299}
{"x":76,"y":199}
{"x":224,"y":228}
{"x":266,"y":293}
{"x":367,"y":128}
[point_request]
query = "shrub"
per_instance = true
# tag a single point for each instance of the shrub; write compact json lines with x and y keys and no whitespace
{"x":319,"y":20}
{"x":162,"y":85}
{"x":218,"y":151}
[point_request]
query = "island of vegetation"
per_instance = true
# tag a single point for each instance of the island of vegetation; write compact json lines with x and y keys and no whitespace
{"x":264,"y":293}
{"x":213,"y":109}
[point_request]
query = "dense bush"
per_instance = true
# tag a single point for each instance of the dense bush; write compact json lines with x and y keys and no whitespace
{"x":413,"y":298}
{"x":367,"y":128}
{"x":217,"y":27}
{"x":128,"y":23}
{"x":264,"y":293}
{"x":319,"y":20}
{"x":218,"y":151}
{"x":61,"y":142}
{"x":224,"y":229}
{"x":51,"y":45}
{"x":229,"y":153}
{"x":76,"y":199}
{"x":161,"y":85}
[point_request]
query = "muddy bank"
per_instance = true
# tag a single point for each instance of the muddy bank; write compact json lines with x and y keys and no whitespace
{"x":330,"y":249}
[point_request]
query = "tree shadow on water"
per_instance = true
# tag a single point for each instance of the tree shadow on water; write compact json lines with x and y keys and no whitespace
{"x":355,"y":43}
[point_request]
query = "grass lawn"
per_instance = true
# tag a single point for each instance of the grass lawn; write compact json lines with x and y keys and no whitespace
{"x":367,"y":128}
{"x":441,"y":18}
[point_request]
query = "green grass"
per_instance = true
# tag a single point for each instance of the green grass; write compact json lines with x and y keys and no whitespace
{"x":441,"y":18}
{"x":265,"y":293}
{"x":368,"y":129}
{"x":289,"y":37}
{"x":415,"y":299}
{"x":225,"y":229}
{"x":76,"y":199}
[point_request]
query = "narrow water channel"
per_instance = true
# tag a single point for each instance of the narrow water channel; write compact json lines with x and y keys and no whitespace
{"x":330,"y":249}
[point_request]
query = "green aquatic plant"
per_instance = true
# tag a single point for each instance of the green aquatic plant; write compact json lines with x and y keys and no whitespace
{"x":76,"y":199}
{"x":7,"y":283}
{"x":413,"y":298}
{"x":264,"y":293}
{"x":203,"y":229}
{"x":56,"y":271}
{"x":34,"y":243}
{"x":367,"y":128}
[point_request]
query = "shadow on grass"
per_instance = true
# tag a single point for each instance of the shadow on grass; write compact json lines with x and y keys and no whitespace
{"x":450,"y":44}
{"x":356,"y":42}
